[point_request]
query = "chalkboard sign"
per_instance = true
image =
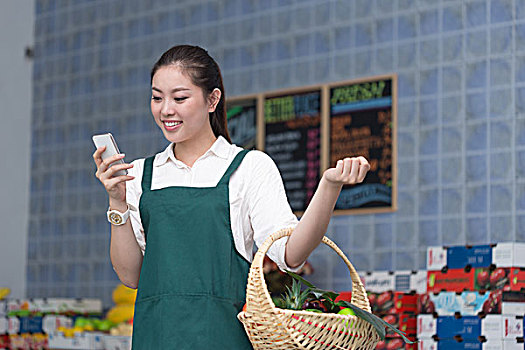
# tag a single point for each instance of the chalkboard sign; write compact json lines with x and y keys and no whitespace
{"x":242,"y":120}
{"x":292,"y":138}
{"x":362,"y":121}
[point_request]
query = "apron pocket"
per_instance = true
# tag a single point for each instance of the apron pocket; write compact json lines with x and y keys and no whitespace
{"x":190,"y":322}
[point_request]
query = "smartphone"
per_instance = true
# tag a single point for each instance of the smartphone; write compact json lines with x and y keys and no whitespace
{"x":111,"y":149}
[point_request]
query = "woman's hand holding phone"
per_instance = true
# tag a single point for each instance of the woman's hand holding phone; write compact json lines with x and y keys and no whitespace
{"x":114,"y":185}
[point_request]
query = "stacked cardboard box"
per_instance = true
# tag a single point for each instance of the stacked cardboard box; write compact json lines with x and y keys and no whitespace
{"x":486,"y":267}
{"x":475,"y":298}
{"x":393,"y":296}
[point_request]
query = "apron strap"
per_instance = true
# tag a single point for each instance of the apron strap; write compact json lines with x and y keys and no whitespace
{"x":148,"y":170}
{"x":233,"y":166}
{"x":146,"y":174}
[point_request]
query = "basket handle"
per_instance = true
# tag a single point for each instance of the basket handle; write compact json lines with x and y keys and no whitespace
{"x":359,"y":297}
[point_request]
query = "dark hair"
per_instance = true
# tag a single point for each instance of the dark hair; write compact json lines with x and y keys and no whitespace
{"x":205,"y":73}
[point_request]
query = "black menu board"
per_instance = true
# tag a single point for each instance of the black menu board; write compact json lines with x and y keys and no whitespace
{"x":293,"y":140}
{"x":242,"y":119}
{"x":361,"y":124}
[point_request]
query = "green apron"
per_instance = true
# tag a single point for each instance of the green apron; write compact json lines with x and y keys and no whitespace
{"x":193,"y":281}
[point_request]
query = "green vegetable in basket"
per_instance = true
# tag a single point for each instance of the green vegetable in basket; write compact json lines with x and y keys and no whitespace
{"x":327,"y":298}
{"x":313,"y":310}
{"x":294,"y":298}
{"x":379,"y":324}
{"x":279,"y":302}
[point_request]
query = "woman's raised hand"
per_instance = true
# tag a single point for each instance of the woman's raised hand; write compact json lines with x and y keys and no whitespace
{"x":348,"y":171}
{"x":114,"y":185}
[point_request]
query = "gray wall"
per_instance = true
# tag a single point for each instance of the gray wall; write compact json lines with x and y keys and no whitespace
{"x":16,"y":32}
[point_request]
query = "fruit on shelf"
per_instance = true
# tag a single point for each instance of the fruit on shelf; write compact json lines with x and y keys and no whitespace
{"x":498,"y":278}
{"x":4,"y":292}
{"x":483,"y":278}
{"x":84,"y":323}
{"x":124,"y":295}
{"x":123,"y":328}
{"x":120,"y":313}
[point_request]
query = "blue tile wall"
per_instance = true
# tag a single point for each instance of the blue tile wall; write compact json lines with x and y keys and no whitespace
{"x":501,"y":166}
{"x":461,"y":115}
{"x":476,"y":12}
{"x":476,"y":231}
{"x":520,"y":227}
{"x":500,"y":11}
{"x":452,"y":231}
{"x":520,"y":196}
{"x":429,"y":51}
{"x":428,"y":173}
{"x":500,"y":103}
{"x":452,"y":201}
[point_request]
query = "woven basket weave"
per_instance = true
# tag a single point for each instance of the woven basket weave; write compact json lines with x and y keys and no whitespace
{"x":269,"y":327}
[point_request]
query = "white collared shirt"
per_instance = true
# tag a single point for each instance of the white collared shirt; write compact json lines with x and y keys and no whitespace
{"x":258,"y":203}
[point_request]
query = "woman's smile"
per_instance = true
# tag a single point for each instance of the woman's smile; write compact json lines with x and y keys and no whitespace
{"x":171,"y":125}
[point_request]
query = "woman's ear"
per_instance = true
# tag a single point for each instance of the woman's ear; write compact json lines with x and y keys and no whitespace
{"x":213,"y":100}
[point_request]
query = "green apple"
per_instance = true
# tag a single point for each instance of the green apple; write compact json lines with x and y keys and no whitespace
{"x":80,"y":322}
{"x":346,"y":311}
{"x":105,"y":325}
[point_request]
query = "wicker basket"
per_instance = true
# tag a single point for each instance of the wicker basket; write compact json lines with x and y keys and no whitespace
{"x":269,"y":327}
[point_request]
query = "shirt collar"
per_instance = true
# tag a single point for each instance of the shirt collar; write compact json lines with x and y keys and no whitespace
{"x":220,"y":148}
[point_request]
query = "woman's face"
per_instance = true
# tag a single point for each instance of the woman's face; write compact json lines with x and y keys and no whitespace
{"x":179,"y":107}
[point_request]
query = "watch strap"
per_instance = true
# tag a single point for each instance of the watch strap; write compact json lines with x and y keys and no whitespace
{"x":116,"y":217}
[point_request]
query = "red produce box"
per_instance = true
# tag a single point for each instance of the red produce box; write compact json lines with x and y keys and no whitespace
{"x":451,"y":280}
{"x":506,"y":279}
{"x":458,"y":280}
{"x":406,"y":323}
{"x":4,"y":342}
{"x":393,"y":302}
{"x":405,"y":302}
{"x":372,"y":299}
{"x":425,"y":305}
{"x":488,"y":279}
{"x":517,"y":279}
{"x":493,"y":303}
{"x":505,"y":302}
{"x":396,"y":343}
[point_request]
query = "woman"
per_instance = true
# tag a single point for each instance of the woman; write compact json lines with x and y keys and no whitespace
{"x":199,"y":206}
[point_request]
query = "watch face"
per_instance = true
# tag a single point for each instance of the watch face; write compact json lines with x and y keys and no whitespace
{"x":115,"y":218}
